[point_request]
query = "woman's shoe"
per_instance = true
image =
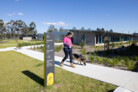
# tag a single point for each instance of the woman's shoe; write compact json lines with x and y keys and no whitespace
{"x":62,"y":64}
{"x":72,"y":65}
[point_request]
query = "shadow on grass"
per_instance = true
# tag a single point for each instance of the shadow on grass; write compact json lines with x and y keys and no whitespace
{"x":111,"y":91}
{"x":34,"y":77}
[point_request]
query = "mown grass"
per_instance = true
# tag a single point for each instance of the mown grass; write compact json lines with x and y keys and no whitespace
{"x":12,"y":78}
{"x":13,"y":43}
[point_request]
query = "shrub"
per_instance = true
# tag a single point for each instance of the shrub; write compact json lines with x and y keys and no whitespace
{"x":91,"y":58}
{"x":105,"y":60}
{"x":34,"y":48}
{"x":131,"y":65}
{"x":125,"y":61}
{"x":119,"y":58}
{"x":84,"y":57}
{"x":83,"y":51}
{"x":98,"y":59}
{"x":37,"y":47}
{"x":82,"y":44}
{"x":135,"y":58}
{"x":94,"y":54}
{"x":27,"y":44}
{"x":114,"y":62}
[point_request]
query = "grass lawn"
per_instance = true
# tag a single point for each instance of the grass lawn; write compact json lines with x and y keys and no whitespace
{"x":20,"y":73}
{"x":12,"y":43}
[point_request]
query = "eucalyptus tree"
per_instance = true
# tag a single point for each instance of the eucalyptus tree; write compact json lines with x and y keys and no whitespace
{"x":18,"y":26}
{"x":10,"y":27}
{"x":61,"y":29}
{"x":98,"y":29}
{"x":52,"y":28}
{"x":32,"y":28}
{"x":25,"y":30}
{"x":1,"y":28}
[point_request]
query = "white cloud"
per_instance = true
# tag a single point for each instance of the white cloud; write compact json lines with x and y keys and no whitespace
{"x":21,"y":14}
{"x":60,"y":23}
{"x":11,"y":14}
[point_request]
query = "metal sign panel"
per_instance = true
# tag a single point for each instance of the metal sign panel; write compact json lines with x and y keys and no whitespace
{"x":49,"y":75}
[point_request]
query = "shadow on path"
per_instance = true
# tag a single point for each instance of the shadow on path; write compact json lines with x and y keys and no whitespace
{"x":58,"y":63}
{"x":34,"y":77}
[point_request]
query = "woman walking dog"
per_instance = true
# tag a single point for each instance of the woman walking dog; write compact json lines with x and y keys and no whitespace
{"x":67,"y":49}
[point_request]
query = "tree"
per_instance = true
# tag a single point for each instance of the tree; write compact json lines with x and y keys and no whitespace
{"x":74,"y":28}
{"x":102,"y":29}
{"x":98,"y":29}
{"x":82,"y":28}
{"x":18,"y":26}
{"x":25,"y":30}
{"x":111,"y":30}
{"x":10,"y":28}
{"x":106,"y":43}
{"x":52,"y":28}
{"x":32,"y":28}
{"x":89,"y":29}
{"x":61,"y":29}
{"x":1,"y":29}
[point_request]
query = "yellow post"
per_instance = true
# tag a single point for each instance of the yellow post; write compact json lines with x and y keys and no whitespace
{"x":44,"y":59}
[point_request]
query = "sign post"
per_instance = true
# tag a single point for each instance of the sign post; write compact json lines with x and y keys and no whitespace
{"x":49,"y":73}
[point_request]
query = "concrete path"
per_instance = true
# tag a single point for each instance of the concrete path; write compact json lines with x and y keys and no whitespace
{"x":122,"y":78}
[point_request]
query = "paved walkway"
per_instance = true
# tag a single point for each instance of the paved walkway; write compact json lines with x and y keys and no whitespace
{"x":122,"y":78}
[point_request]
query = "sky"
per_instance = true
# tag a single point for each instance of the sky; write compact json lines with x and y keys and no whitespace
{"x":118,"y":15}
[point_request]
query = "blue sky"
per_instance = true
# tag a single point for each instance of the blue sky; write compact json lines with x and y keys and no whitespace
{"x":119,"y":15}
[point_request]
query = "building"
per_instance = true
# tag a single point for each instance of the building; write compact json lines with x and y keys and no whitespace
{"x":39,"y":36}
{"x":135,"y":36}
{"x":58,"y":36}
{"x":93,"y":37}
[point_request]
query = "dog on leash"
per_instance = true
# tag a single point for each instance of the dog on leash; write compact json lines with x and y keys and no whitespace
{"x":79,"y":59}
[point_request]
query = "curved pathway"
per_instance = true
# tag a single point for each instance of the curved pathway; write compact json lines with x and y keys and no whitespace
{"x":124,"y":79}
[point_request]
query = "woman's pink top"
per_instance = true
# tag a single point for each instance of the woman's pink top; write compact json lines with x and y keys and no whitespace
{"x":67,"y":41}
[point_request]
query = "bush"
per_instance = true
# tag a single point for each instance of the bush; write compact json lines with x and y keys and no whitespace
{"x":125,"y":61}
{"x":114,"y":62}
{"x":83,"y":51}
{"x":105,"y":60}
{"x":94,"y":54}
{"x":98,"y":59}
{"x":27,"y":44}
{"x":37,"y":47}
{"x":91,"y":58}
{"x":119,"y":58}
{"x":135,"y":58}
{"x":34,"y":48}
{"x":82,"y":44}
{"x":131,"y":65}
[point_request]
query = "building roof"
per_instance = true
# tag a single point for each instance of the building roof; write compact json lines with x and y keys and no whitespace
{"x":103,"y":33}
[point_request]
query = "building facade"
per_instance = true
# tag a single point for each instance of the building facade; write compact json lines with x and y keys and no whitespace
{"x":135,"y":36}
{"x":92,"y":37}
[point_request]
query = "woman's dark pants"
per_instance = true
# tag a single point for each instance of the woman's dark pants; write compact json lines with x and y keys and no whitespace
{"x":67,"y":51}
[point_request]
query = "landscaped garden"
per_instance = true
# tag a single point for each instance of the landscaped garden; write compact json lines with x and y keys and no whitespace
{"x":123,"y":56}
{"x":25,"y":74}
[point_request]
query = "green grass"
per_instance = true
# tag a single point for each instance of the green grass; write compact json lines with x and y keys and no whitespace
{"x":58,"y":48}
{"x":12,"y":64}
{"x":12,"y":43}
